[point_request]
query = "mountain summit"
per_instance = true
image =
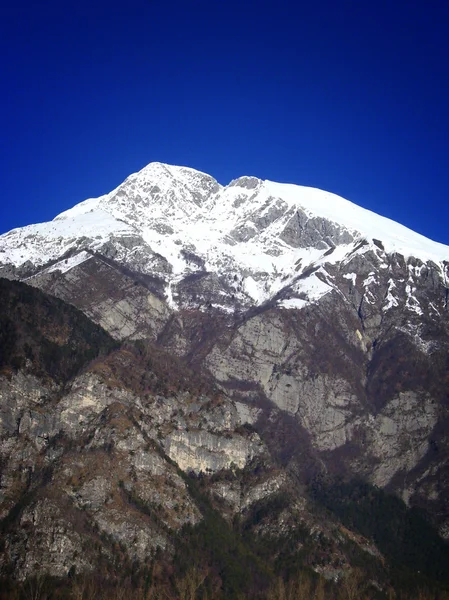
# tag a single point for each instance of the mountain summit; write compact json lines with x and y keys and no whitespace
{"x":258,"y":237}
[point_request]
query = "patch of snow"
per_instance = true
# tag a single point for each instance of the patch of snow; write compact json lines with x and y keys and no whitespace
{"x":253,"y":289}
{"x":412,"y":303}
{"x":370,"y":279}
{"x":351,"y":276}
{"x":389,"y":298}
{"x":169,"y":294}
{"x":69,"y":263}
{"x":293,"y":303}
{"x":433,"y":307}
{"x":221,"y":307}
{"x":312,"y":288}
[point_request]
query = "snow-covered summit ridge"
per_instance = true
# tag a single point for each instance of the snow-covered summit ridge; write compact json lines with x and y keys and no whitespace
{"x":260,"y":230}
{"x":182,"y":198}
{"x":394,"y":236}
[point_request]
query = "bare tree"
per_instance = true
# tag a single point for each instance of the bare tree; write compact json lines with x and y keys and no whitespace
{"x":35,"y":587}
{"x":277,"y":591}
{"x":353,"y":585}
{"x":320,"y":590}
{"x":188,"y":585}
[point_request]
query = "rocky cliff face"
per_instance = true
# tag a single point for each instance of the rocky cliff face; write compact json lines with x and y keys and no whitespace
{"x":97,"y":467}
{"x":285,"y":335}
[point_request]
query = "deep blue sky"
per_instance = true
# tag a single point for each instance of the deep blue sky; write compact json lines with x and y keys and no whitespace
{"x":352,"y":97}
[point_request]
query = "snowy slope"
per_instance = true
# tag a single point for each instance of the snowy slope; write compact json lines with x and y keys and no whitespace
{"x":260,"y":233}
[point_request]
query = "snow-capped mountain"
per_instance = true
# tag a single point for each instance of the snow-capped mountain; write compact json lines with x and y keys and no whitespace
{"x":324,"y":325}
{"x":258,"y":237}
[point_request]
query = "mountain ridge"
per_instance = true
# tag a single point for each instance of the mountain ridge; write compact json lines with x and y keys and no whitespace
{"x":174,"y":221}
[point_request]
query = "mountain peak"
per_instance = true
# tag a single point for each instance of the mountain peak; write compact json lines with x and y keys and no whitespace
{"x":249,"y":183}
{"x":173,"y":221}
